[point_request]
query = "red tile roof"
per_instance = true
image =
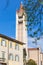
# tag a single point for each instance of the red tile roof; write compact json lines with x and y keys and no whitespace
{"x":33,"y":48}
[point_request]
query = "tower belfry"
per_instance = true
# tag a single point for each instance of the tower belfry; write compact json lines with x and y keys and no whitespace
{"x":21,"y":33}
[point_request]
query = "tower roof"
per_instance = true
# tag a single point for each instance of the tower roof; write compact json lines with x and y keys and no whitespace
{"x":21,"y":5}
{"x":21,"y":10}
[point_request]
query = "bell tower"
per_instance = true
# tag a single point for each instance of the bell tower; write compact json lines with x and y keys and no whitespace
{"x":21,"y":33}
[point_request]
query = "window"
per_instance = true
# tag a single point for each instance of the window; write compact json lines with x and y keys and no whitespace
{"x":3,"y":54}
{"x":10,"y":56}
{"x":16,"y":58}
{"x":20,"y":22}
{"x":20,"y":17}
{"x":10,"y":44}
{"x":41,"y":62}
{"x":3,"y":42}
{"x":17,"y":46}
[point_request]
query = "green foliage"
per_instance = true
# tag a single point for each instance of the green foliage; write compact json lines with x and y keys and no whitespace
{"x":31,"y":62}
{"x":33,"y":12}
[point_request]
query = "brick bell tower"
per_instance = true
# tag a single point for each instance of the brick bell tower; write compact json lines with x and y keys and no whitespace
{"x":21,"y":33}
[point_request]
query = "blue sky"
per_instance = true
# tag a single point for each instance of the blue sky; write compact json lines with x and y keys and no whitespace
{"x":8,"y":16}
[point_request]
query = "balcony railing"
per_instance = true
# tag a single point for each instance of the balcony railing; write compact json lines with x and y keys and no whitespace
{"x":2,"y":59}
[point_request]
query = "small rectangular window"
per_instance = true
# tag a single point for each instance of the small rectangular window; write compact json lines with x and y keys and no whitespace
{"x":3,"y":54}
{"x":10,"y":44}
{"x":3,"y":42}
{"x":17,"y":46}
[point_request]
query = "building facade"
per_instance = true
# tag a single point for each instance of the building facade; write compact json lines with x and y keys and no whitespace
{"x":35,"y":54}
{"x":41,"y":58}
{"x":11,"y":51}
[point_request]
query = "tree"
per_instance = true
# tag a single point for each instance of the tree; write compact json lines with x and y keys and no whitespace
{"x":31,"y":62}
{"x":34,"y":11}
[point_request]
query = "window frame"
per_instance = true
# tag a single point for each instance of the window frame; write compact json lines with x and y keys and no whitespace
{"x":17,"y":58}
{"x":3,"y":55}
{"x":20,"y":17}
{"x":17,"y":46}
{"x":10,"y":43}
{"x":10,"y":56}
{"x":3,"y":44}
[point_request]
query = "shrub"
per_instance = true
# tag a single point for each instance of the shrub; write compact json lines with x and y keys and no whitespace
{"x":31,"y":62}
